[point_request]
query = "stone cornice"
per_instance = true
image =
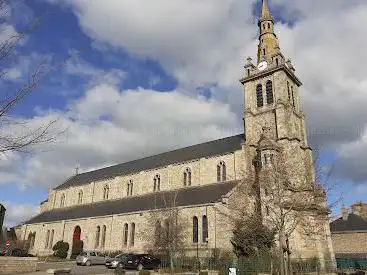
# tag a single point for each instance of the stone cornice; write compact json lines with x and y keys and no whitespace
{"x":271,"y":69}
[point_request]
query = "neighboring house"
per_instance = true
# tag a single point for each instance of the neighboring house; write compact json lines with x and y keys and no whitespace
{"x":109,"y":209}
{"x":349,"y":234}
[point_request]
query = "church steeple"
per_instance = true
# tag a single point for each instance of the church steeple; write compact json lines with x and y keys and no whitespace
{"x":265,"y":12}
{"x":268,"y":41}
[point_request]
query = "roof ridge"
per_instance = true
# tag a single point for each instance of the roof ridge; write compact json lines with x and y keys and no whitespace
{"x":175,"y":150}
{"x":158,"y":160}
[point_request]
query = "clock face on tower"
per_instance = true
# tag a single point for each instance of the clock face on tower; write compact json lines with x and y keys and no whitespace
{"x":262,"y":65}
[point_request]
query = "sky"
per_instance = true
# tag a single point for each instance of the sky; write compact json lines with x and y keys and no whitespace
{"x":131,"y":78}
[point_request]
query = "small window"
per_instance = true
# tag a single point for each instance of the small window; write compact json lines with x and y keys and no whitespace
{"x":47,"y":238}
{"x":294,"y":102}
{"x":248,"y":72}
{"x":195,"y":228}
{"x":289,"y":93}
{"x":103,"y":242}
{"x":51,"y":239}
{"x":62,"y":200}
{"x":80,"y":197}
{"x":259,"y":95}
{"x":205,"y":229}
{"x":269,"y":93}
{"x":264,"y":52}
{"x":277,"y":61}
{"x":187,"y":177}
{"x":98,"y":233}
{"x":106,"y":191}
{"x":268,"y":25}
{"x":130,"y":186}
{"x":126,"y":233}
{"x":157,"y":183}
{"x":221,"y":172}
{"x":267,"y":210}
{"x":132,"y":234}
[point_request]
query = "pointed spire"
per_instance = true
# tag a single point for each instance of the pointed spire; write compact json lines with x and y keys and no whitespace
{"x":265,"y":12}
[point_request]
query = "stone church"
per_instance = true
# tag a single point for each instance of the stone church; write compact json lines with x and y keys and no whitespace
{"x":110,"y":208}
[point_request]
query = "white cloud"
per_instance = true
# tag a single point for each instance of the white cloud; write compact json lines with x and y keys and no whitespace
{"x":16,"y":213}
{"x":109,"y":126}
{"x":203,"y":42}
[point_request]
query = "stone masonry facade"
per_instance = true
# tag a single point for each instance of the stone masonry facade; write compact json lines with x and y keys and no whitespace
{"x":272,"y":101}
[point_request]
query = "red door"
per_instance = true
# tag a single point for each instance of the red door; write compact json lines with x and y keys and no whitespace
{"x":77,"y":233}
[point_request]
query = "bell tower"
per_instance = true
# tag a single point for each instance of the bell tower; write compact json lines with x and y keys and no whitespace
{"x":271,"y":94}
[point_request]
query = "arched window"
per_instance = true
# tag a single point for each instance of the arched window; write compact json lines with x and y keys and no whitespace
{"x":205,"y":229}
{"x":103,"y":241}
{"x":62,"y":200}
{"x":157,"y":183}
{"x":187,"y":177}
{"x":132,"y":234}
{"x":289,"y":92}
{"x":259,"y":95}
{"x":80,"y":197}
{"x":51,"y":239}
{"x":130,"y":186}
{"x":195,"y":228}
{"x":158,"y":233}
{"x":98,"y":234}
{"x":126,"y":233}
{"x":269,"y":92}
{"x":106,"y":190}
{"x":294,"y":102}
{"x":221,"y":172}
{"x":33,"y":239}
{"x":47,"y":238}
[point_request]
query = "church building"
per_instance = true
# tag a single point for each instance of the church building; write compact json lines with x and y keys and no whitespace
{"x":110,"y":209}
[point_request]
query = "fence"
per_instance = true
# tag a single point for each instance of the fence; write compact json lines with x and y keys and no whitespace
{"x":261,"y":265}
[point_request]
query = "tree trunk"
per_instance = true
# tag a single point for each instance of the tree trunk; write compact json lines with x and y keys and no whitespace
{"x":281,"y":255}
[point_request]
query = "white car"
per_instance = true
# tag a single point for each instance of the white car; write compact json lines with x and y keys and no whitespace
{"x":89,"y":258}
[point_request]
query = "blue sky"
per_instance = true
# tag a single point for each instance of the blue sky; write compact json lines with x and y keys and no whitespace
{"x":118,"y":77}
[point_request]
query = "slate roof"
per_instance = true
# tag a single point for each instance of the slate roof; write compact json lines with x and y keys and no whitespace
{"x":353,"y":223}
{"x":207,"y":149}
{"x":188,"y":196}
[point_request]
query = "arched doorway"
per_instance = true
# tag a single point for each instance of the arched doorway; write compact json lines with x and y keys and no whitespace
{"x":77,"y":246}
{"x":77,"y":233}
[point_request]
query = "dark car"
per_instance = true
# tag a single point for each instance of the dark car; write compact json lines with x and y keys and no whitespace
{"x":142,"y":261}
{"x":118,"y":261}
{"x":14,"y":252}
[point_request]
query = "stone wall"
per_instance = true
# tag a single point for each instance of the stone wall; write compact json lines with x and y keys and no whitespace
{"x":350,"y":242}
{"x":203,"y":171}
{"x":14,"y":265}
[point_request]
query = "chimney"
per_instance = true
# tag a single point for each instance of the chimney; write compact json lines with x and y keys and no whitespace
{"x":345,"y":213}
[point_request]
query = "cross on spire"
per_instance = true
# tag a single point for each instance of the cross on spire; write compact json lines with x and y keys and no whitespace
{"x":77,"y":169}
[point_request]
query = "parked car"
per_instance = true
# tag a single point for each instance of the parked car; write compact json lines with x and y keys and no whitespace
{"x":139,"y":262}
{"x":89,"y":258}
{"x":14,"y":252}
{"x":118,"y":261}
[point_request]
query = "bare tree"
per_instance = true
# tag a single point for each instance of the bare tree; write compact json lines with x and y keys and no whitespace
{"x":18,"y":134}
{"x":289,"y":197}
{"x":166,"y":226}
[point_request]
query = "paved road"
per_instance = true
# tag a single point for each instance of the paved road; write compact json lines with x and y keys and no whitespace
{"x":75,"y":269}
